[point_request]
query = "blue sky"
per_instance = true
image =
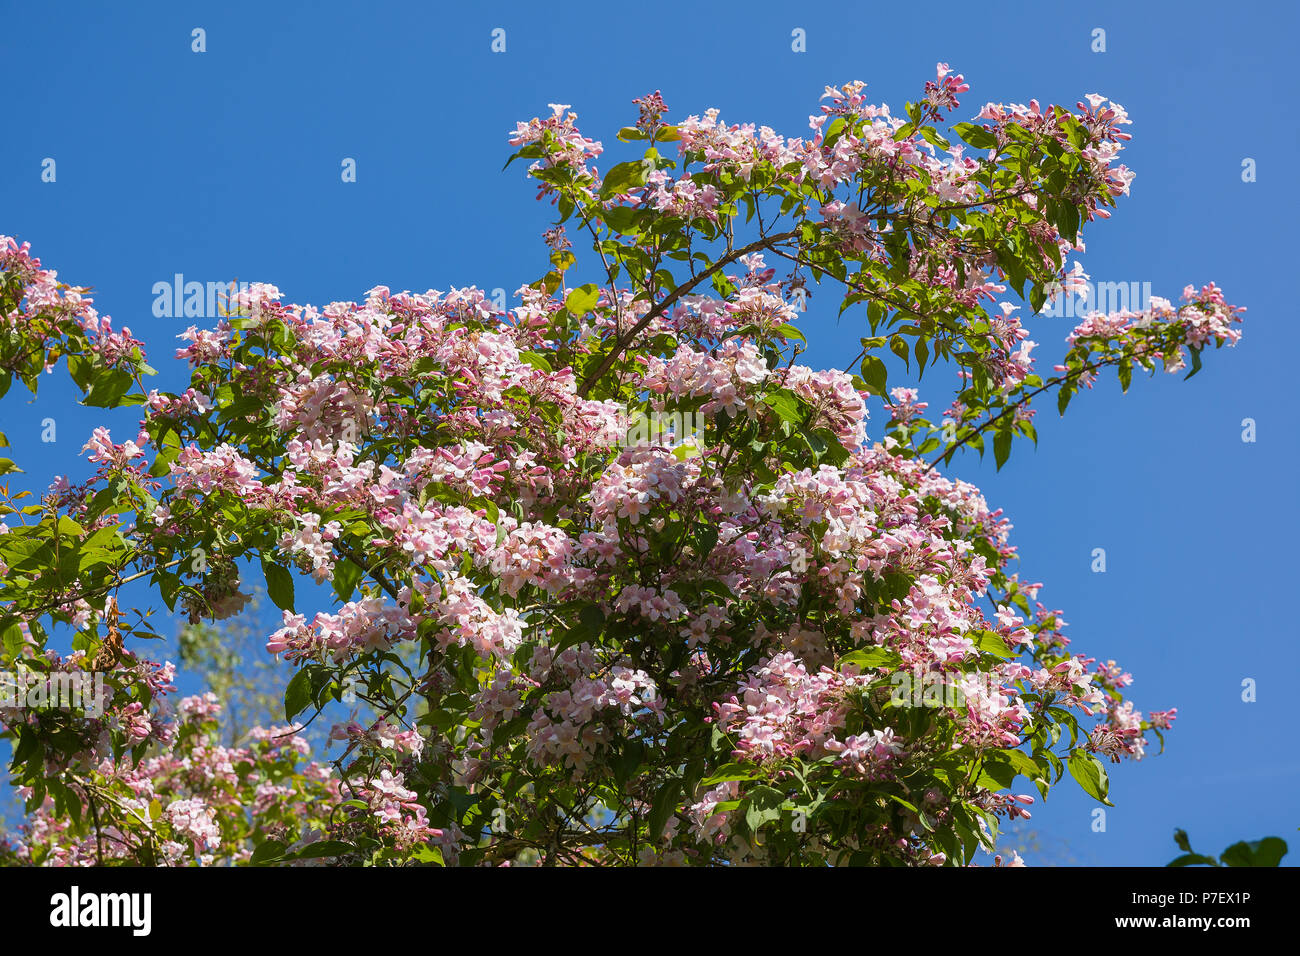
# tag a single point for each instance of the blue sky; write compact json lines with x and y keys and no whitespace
{"x":226,"y":164}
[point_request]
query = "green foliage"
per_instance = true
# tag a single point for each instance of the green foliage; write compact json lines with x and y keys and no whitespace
{"x":1266,"y":852}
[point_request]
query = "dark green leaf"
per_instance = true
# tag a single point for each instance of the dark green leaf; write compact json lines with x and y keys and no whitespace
{"x":875,"y":375}
{"x":279,"y":584}
{"x":665,"y":803}
{"x":346,"y":576}
{"x":297,"y":695}
{"x":1002,"y":447}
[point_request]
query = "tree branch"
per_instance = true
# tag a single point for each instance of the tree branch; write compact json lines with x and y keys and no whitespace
{"x":623,"y":341}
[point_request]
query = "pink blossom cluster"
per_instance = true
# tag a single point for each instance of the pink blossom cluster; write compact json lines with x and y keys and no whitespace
{"x":783,"y":710}
{"x":578,"y":707}
{"x":1162,"y":330}
{"x":48,"y":310}
{"x":189,"y":802}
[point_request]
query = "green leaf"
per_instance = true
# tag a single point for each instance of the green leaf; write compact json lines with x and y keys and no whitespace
{"x":323,"y":848}
{"x":279,"y":584}
{"x":763,"y":807}
{"x":297,"y":695}
{"x":997,"y":772}
{"x":1266,"y":852}
{"x":1063,"y":399}
{"x":922,"y":352}
{"x":875,"y":375}
{"x":1002,"y":447}
{"x":622,"y":219}
{"x":626,"y":763}
{"x":346,"y":576}
{"x":266,"y":852}
{"x":107,"y":388}
{"x":834,"y":131}
{"x":898,"y":345}
{"x":786,"y":404}
{"x":1091,"y":775}
{"x":931,"y":136}
{"x":592,"y":619}
{"x":621,"y":178}
{"x":1037,"y":298}
{"x":1068,"y":221}
{"x":977,"y":136}
{"x":871,"y":657}
{"x":992,"y":643}
{"x":582,"y":299}
{"x":1023,"y":763}
{"x":425,"y":853}
{"x":730,"y":771}
{"x":665,"y":803}
{"x":81,"y":370}
{"x":536,"y":360}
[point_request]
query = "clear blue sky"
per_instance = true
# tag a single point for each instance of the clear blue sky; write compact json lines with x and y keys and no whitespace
{"x":227,"y":163}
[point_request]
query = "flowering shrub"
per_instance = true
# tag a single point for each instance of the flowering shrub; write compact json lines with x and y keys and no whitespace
{"x":195,"y":801}
{"x":580,"y":648}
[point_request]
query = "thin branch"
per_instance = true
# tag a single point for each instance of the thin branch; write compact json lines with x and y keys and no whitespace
{"x":1025,"y":400}
{"x":623,"y":341}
